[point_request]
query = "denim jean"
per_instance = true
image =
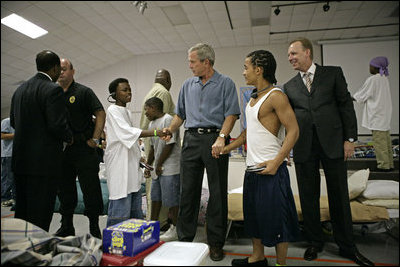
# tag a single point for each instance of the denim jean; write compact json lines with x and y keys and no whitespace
{"x":7,"y":180}
{"x":122,"y":209}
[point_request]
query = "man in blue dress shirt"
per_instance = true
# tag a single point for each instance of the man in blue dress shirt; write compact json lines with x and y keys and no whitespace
{"x":208,"y":103}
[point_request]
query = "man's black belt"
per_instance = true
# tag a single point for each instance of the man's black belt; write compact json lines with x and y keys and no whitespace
{"x":204,"y":130}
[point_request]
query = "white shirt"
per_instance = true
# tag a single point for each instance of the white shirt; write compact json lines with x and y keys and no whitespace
{"x":310,"y":70}
{"x":45,"y":74}
{"x":172,"y":164}
{"x":262,"y":145}
{"x":375,"y":95}
{"x":122,"y":154}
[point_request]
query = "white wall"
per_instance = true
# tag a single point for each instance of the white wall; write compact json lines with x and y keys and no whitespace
{"x":354,"y":57}
{"x":141,"y":70}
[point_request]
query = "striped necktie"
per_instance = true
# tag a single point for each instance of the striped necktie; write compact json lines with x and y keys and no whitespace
{"x":308,"y":80}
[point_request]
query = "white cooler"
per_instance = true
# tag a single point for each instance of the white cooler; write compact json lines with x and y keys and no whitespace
{"x":177,"y":253}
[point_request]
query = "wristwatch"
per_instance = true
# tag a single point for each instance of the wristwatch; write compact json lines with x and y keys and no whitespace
{"x":351,"y":140}
{"x":97,"y":141}
{"x":222,"y":135}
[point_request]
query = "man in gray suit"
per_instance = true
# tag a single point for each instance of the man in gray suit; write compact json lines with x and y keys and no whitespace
{"x":39,"y":117}
{"x":328,"y":128}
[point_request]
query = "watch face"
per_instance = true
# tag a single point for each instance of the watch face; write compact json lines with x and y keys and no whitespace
{"x":351,"y":140}
{"x":222,"y":135}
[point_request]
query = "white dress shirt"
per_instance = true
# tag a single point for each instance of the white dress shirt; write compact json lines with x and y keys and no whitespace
{"x":311,"y":70}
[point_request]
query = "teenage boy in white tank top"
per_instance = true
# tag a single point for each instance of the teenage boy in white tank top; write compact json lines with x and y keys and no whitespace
{"x":268,"y":114}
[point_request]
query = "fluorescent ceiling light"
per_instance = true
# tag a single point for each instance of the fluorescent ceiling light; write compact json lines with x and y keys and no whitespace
{"x":23,"y":26}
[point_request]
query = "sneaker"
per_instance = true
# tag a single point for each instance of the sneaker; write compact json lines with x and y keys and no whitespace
{"x":7,"y":203}
{"x":170,"y":235}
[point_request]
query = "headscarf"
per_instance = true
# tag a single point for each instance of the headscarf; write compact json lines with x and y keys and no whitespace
{"x":381,"y":63}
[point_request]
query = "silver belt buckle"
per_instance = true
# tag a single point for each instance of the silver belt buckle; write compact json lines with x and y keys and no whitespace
{"x":200,"y":130}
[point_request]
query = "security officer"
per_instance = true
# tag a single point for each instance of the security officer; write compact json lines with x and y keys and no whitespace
{"x":80,"y":158}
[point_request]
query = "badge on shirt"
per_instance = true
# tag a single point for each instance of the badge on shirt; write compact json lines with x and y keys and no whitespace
{"x":72,"y":99}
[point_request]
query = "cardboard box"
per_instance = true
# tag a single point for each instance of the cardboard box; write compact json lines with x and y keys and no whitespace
{"x":117,"y":260}
{"x":130,"y":237}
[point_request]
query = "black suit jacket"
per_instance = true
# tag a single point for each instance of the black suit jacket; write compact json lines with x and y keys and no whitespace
{"x":328,"y":106}
{"x":38,"y":115}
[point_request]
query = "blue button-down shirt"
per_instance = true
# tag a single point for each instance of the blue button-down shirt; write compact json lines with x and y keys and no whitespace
{"x":207,"y":105}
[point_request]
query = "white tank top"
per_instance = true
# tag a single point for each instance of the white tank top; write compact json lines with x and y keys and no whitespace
{"x":262,"y":145}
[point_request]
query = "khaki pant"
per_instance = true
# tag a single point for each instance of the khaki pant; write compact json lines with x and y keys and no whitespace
{"x":383,"y":149}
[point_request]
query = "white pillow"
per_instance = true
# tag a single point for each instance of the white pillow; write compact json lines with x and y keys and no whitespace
{"x":382,"y":189}
{"x":357,"y":183}
{"x":387,"y":203}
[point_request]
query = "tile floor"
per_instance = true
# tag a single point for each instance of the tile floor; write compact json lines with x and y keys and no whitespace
{"x":381,"y":247}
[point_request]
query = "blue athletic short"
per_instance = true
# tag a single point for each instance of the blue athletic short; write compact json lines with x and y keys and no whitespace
{"x":167,"y":190}
{"x":269,"y":209}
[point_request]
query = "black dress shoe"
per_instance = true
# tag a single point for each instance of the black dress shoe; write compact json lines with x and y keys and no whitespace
{"x":311,"y":253}
{"x":245,"y":262}
{"x":64,"y":231}
{"x":357,"y":257}
{"x":216,"y":253}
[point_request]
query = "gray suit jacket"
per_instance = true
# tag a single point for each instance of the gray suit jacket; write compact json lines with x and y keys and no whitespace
{"x":328,"y":106}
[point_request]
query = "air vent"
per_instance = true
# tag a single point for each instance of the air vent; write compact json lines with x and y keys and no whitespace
{"x":259,"y":12}
{"x":176,"y":15}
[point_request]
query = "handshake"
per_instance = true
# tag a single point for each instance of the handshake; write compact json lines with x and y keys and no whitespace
{"x":165,"y":134}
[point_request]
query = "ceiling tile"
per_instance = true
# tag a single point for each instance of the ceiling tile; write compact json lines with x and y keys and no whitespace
{"x":97,"y":34}
{"x":15,"y":6}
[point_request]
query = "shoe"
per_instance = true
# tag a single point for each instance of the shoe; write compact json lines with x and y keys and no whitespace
{"x":170,"y":235}
{"x":64,"y":231}
{"x":7,"y":203}
{"x":216,"y":253}
{"x":312,"y":253}
{"x":245,"y":262}
{"x":357,"y":257}
{"x":67,"y":226}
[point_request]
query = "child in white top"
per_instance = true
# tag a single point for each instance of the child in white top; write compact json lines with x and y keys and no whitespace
{"x":122,"y":156}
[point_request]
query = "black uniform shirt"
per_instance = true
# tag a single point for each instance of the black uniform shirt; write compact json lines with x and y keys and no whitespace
{"x":81,"y":103}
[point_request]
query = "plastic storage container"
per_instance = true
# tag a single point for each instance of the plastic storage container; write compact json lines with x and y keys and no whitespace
{"x":177,"y":253}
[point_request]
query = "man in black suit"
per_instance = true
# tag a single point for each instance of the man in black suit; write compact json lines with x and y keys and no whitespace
{"x":38,"y":115}
{"x":328,"y":128}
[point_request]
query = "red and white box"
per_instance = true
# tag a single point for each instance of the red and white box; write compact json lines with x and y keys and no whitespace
{"x":117,"y":260}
